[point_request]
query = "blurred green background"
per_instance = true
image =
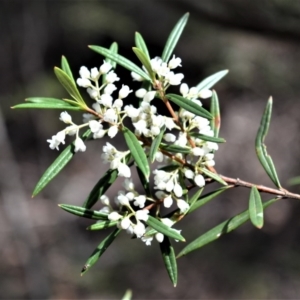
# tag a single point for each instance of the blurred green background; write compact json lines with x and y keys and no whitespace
{"x":43,"y":248}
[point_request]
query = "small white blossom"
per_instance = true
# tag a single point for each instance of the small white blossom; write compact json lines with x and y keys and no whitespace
{"x":177,"y":190}
{"x":79,"y":145}
{"x":197,"y":151}
{"x":142,"y":215}
{"x":174,"y":62}
{"x":104,"y":200}
{"x":168,"y":201}
{"x":124,"y":170}
{"x":105,"y":67}
{"x":189,"y":174}
{"x":125,"y":223}
{"x":112,"y":131}
{"x":140,"y":93}
{"x":109,"y":89}
{"x":65,"y":117}
{"x":83,"y":82}
{"x":139,"y":229}
{"x":159,"y":237}
{"x":95,"y":126}
{"x":204,"y":94}
{"x":114,"y":216}
{"x":169,"y":137}
{"x":199,"y":180}
{"x":111,"y":77}
{"x":136,"y":77}
{"x":182,"y":205}
{"x":124,"y":91}
{"x":84,"y":72}
{"x":110,"y":116}
{"x":140,"y":201}
{"x":174,"y":79}
{"x":94,"y":73}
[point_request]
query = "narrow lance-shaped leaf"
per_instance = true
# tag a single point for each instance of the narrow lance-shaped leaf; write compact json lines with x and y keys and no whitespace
{"x":215,"y":123}
{"x":219,"y":230}
{"x":169,"y":258}
{"x":69,"y":85}
{"x":174,"y":37}
{"x":189,"y":106}
{"x":144,"y":182}
{"x":100,"y":250}
{"x":155,"y":144}
{"x":127,"y":295}
{"x":256,"y":209}
{"x":212,"y":175}
{"x":175,"y":148}
{"x":195,"y":197}
{"x":207,"y":137}
{"x":102,"y":225}
{"x":121,"y":60}
{"x":83,"y":212}
{"x":261,"y":150}
{"x":66,"y":68}
{"x":145,"y":61}
{"x":140,"y":43}
{"x":60,"y":162}
{"x":208,"y":197}
{"x":164,"y":229}
{"x":137,"y":151}
{"x":210,"y":81}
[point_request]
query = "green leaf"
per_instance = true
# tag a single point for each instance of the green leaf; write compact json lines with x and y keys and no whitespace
{"x":128,"y":295}
{"x":144,"y":181}
{"x":220,"y":230}
{"x":60,"y":162}
{"x":174,"y":37}
{"x":66,"y":68}
{"x":140,"y":43}
{"x":145,"y":61}
{"x":164,"y":229}
{"x":102,"y":225}
{"x":170,"y":168}
{"x":215,"y":123}
{"x":137,"y":151}
{"x":101,"y":187}
{"x":261,"y":149}
{"x":195,"y":198}
{"x":212,"y":175}
{"x":69,"y":85}
{"x":122,"y":61}
{"x":113,"y":48}
{"x":169,"y":258}
{"x":99,"y":251}
{"x":207,"y":197}
{"x":155,"y":144}
{"x":294,"y":180}
{"x":83,"y":212}
{"x":207,"y":138}
{"x":66,"y":106}
{"x":189,"y":106}
{"x":175,"y":148}
{"x":256,"y":209}
{"x":210,"y":81}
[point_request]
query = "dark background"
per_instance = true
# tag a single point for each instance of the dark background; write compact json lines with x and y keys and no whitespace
{"x":43,"y":248}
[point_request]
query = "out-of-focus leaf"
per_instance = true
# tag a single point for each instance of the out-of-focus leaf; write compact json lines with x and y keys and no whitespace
{"x":174,"y":37}
{"x":102,"y":225}
{"x":128,"y":295}
{"x":145,"y":61}
{"x":256,"y":209}
{"x":215,"y":123}
{"x":210,"y":81}
{"x":69,"y":85}
{"x":212,"y":175}
{"x":195,"y":197}
{"x":99,"y":250}
{"x":57,"y":165}
{"x":207,"y":138}
{"x":169,"y":258}
{"x":164,"y":229}
{"x":294,"y":180}
{"x":175,"y":148}
{"x":66,"y":68}
{"x":189,"y":106}
{"x":83,"y":212}
{"x":140,"y":43}
{"x":137,"y":151}
{"x":155,"y":144}
{"x":261,"y":149}
{"x":220,"y":230}
{"x":122,"y":61}
{"x":207,"y":197}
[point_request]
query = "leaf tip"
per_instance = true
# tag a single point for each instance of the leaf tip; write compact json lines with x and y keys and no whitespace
{"x":270,"y":100}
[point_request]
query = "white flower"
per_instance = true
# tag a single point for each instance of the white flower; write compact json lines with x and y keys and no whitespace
{"x":156,"y":63}
{"x":109,"y":89}
{"x":114,"y":216}
{"x":106,"y":100}
{"x":111,"y":77}
{"x":84,"y":82}
{"x":105,"y":210}
{"x":94,"y":94}
{"x":197,"y":151}
{"x":105,"y":67}
{"x":159,"y":237}
{"x":84,"y":72}
{"x":131,"y":111}
{"x":189,"y":174}
{"x":65,"y":117}
{"x":104,"y":200}
{"x":112,"y":131}
{"x":184,"y":89}
{"x":94,"y":73}
{"x":118,"y":104}
{"x":159,"y":157}
{"x":204,"y":94}
{"x":174,"y":62}
{"x":147,"y":239}
{"x":110,"y":116}
{"x":95,"y":126}
{"x":122,"y":200}
{"x":182,"y":205}
{"x":125,"y":223}
{"x":71,"y":130}
{"x":142,"y":215}
{"x":167,"y":222}
{"x":149,"y":96}
{"x":199,"y":180}
{"x":174,"y":79}
{"x":79,"y":145}
{"x":168,"y":201}
{"x":169,"y":137}
{"x":140,"y":201}
{"x":124,"y":91}
{"x":57,"y":140}
{"x":128,"y":184}
{"x":139,"y":229}
{"x":124,"y":170}
{"x":136,"y":77}
{"x":140,"y":93}
{"x":177,"y":190}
